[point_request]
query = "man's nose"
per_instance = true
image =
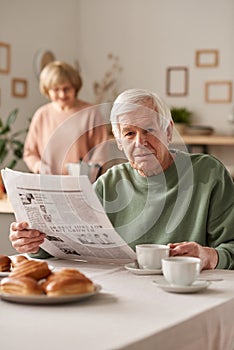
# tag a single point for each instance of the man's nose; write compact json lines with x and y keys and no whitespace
{"x":141,"y":139}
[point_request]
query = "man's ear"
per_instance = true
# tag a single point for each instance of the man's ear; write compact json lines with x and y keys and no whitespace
{"x":170,"y":131}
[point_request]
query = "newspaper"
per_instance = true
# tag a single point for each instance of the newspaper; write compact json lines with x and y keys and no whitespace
{"x":67,"y":209}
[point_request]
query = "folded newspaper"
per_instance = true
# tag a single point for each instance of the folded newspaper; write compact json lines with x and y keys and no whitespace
{"x":67,"y":210}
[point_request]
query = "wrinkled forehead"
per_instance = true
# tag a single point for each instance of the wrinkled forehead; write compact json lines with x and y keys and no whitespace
{"x":126,"y":112}
{"x":141,"y":117}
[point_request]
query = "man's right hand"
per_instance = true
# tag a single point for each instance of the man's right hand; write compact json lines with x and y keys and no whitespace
{"x":25,"y":240}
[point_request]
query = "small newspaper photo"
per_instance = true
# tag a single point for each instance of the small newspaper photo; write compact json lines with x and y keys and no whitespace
{"x":67,"y":209}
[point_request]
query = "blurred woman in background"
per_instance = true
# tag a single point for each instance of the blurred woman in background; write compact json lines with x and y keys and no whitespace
{"x":65,"y":130}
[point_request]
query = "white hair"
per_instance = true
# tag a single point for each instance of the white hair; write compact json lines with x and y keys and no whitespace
{"x":131,"y":99}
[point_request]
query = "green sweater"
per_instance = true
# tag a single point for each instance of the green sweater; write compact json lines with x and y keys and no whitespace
{"x":191,"y":201}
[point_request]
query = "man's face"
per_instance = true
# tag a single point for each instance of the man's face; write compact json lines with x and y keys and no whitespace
{"x":144,"y":143}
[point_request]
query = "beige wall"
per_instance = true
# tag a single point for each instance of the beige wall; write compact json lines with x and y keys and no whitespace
{"x":148,"y":36}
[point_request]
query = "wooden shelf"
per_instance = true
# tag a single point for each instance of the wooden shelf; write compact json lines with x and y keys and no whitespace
{"x":220,"y":140}
{"x":209,"y":140}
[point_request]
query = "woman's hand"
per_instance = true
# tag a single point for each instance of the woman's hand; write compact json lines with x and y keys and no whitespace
{"x":208,"y":256}
{"x":25,"y":240}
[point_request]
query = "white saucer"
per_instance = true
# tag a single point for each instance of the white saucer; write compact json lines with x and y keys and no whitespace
{"x":134,"y":269}
{"x":197,"y":286}
{"x":4,"y":273}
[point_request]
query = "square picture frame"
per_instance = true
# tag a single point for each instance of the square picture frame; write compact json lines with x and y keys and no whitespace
{"x":5,"y":58}
{"x":218,"y":91}
{"x":207,"y":58}
{"x":19,"y":87}
{"x":177,"y":81}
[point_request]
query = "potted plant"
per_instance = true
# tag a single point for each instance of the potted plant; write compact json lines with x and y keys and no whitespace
{"x":11,"y":147}
{"x":181,"y":117}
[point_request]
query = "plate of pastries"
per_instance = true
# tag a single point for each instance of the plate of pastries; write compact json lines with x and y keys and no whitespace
{"x":31,"y":281}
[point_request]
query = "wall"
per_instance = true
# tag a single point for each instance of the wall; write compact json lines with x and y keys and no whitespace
{"x":148,"y":36}
{"x":30,"y":26}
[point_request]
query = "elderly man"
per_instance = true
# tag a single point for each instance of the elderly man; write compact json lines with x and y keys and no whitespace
{"x":161,"y":195}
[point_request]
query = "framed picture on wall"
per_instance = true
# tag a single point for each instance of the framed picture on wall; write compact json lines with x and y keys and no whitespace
{"x":19,"y":87}
{"x":5,"y":56}
{"x":207,"y":58}
{"x":177,"y":81}
{"x":218,"y":91}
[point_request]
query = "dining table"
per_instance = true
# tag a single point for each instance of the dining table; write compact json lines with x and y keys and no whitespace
{"x":130,"y":311}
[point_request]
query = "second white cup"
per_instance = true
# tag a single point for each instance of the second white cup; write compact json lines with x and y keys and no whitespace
{"x":181,"y":270}
{"x":149,"y":256}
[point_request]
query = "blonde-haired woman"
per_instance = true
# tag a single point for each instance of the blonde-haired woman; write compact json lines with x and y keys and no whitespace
{"x":66,"y":129}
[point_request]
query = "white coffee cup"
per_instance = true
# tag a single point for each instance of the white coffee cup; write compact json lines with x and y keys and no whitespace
{"x":181,"y":270}
{"x":149,"y":256}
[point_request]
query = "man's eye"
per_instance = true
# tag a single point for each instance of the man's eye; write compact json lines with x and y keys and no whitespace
{"x":129,"y":133}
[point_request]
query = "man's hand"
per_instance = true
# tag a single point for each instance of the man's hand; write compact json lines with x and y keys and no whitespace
{"x":24,"y":240}
{"x":208,"y":256}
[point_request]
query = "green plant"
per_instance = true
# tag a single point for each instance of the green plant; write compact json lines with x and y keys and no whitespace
{"x":181,"y":115}
{"x":11,"y":147}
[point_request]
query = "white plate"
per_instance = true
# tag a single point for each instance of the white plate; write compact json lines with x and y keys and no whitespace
{"x":6,"y":273}
{"x":197,"y":286}
{"x":134,"y":269}
{"x":46,"y":300}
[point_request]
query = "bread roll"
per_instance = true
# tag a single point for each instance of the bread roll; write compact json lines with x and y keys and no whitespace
{"x":5,"y":263}
{"x":64,"y":273}
{"x":69,"y":272}
{"x":17,"y":259}
{"x":31,"y":268}
{"x":67,"y":281}
{"x":68,"y":286}
{"x":20,"y":286}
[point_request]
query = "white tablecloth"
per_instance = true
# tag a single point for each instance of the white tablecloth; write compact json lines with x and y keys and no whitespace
{"x":130,"y":312}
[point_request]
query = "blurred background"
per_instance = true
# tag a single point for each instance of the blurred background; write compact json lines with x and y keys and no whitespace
{"x":151,"y":44}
